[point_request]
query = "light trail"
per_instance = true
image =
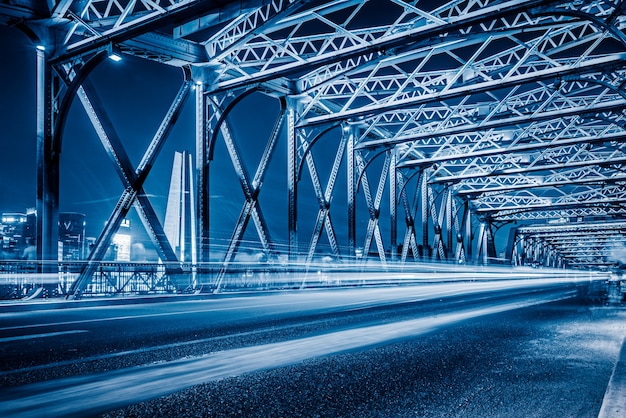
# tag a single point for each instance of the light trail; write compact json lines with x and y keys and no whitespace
{"x":332,"y":274}
{"x":99,"y":392}
{"x":47,"y":335}
{"x":290,"y":275}
{"x":305,"y":301}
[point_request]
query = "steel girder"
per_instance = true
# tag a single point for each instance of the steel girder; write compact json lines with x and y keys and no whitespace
{"x":505,"y":110}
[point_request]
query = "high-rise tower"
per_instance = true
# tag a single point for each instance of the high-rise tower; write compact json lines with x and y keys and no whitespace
{"x":180,"y":216}
{"x":71,"y":236}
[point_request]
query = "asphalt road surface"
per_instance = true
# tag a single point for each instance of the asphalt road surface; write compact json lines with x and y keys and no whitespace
{"x":490,"y":348}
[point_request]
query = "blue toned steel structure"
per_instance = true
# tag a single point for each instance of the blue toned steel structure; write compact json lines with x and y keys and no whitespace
{"x":459,"y":117}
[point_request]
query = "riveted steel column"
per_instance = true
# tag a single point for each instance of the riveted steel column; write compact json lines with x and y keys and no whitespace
{"x":449,"y":214}
{"x":424,"y":212}
{"x":482,"y":244}
{"x":292,"y":181}
{"x":468,"y":231}
{"x":410,"y":241}
{"x":202,"y":175}
{"x":393,"y":205}
{"x":458,"y":253}
{"x":491,"y":244}
{"x":515,"y":250}
{"x":437,"y":217}
{"x":348,"y":131}
{"x":521,"y":249}
{"x":487,"y":245}
{"x":47,"y":168}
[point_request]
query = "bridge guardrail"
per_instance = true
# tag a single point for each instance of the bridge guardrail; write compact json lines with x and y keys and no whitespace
{"x":20,"y":279}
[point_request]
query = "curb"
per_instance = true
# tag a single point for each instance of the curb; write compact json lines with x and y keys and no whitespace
{"x":614,"y":402}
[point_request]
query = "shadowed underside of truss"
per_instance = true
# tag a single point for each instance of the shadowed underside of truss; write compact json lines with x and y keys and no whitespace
{"x":465,"y":115}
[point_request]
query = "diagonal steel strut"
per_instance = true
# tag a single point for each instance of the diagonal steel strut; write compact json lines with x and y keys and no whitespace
{"x":114,"y":147}
{"x":129,"y":195}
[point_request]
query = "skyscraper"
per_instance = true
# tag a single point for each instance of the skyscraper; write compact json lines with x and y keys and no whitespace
{"x":180,"y":216}
{"x":71,"y":236}
{"x":123,"y":241}
{"x":12,"y":235}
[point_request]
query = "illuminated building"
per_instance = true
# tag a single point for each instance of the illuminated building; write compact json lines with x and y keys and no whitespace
{"x":71,"y":236}
{"x":13,"y":232}
{"x":180,"y":217}
{"x":123,"y":241}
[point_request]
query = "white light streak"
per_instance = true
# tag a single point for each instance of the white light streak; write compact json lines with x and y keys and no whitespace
{"x":92,"y":393}
{"x":33,"y":336}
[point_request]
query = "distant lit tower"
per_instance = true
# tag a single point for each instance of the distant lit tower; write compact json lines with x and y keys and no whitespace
{"x":30,"y":233}
{"x":180,"y":216}
{"x":71,"y":236}
{"x":122,"y":242}
{"x":12,"y":234}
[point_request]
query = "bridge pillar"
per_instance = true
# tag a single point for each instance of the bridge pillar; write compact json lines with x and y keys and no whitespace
{"x":292,"y":180}
{"x":202,"y":175}
{"x":47,"y":168}
{"x":393,"y":205}
{"x":449,"y":215}
{"x":467,"y":227}
{"x":424,"y":213}
{"x":487,"y":248}
{"x":348,"y":131}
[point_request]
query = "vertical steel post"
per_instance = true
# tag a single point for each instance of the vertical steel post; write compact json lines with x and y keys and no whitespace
{"x":521,"y":248}
{"x":424,"y":212}
{"x":491,"y":244}
{"x":292,"y":181}
{"x":437,"y":217}
{"x":449,"y":215}
{"x":47,"y":169}
{"x":486,"y":242}
{"x":351,"y":189}
{"x":393,"y":205}
{"x":202,"y":176}
{"x":468,"y":231}
{"x":482,"y":244}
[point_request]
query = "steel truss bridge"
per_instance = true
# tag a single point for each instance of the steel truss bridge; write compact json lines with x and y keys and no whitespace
{"x":449,"y":120}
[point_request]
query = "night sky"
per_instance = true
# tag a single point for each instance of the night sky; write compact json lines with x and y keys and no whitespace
{"x":17,"y":119}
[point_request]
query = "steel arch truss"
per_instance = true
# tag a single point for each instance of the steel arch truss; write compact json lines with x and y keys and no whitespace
{"x":594,"y":245}
{"x":461,"y":116}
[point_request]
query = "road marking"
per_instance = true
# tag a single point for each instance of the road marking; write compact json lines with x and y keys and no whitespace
{"x":48,"y":334}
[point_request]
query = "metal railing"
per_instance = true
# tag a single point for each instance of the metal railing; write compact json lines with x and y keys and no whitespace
{"x":33,"y":279}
